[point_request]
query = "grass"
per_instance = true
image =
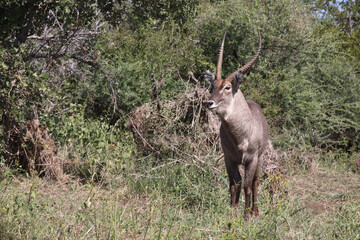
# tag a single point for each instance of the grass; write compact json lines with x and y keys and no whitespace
{"x":181,"y":203}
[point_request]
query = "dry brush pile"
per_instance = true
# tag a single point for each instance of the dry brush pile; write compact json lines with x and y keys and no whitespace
{"x":184,"y":131}
{"x":30,"y":147}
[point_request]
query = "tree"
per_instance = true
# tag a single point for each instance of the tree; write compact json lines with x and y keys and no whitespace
{"x":40,"y":44}
{"x":304,"y":80}
{"x":342,"y":18}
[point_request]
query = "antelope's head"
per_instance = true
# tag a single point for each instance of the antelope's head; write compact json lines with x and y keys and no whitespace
{"x":222,"y":97}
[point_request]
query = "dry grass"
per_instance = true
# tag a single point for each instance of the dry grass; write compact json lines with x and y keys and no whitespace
{"x":33,"y":151}
{"x":182,"y":115}
{"x":40,"y":152}
{"x":176,"y":188}
{"x":322,"y":191}
{"x":36,"y":208}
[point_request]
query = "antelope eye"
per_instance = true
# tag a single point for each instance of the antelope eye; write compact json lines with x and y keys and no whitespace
{"x":227,"y":87}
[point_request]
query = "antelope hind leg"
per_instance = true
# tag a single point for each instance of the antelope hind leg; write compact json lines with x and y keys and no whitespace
{"x":255,"y":185}
{"x":250,"y":175}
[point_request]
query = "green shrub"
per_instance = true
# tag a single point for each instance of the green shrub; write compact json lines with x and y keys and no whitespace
{"x":141,"y":60}
{"x":93,"y":148}
{"x":302,"y":81}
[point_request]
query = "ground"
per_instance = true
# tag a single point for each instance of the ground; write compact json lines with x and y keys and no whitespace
{"x":321,"y":203}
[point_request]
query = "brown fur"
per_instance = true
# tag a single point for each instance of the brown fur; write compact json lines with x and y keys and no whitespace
{"x":244,"y":137}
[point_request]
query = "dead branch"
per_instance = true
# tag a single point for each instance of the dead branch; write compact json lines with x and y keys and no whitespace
{"x":137,"y":132}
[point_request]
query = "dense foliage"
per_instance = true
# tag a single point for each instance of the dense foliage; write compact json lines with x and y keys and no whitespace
{"x":106,"y":96}
{"x":68,"y":60}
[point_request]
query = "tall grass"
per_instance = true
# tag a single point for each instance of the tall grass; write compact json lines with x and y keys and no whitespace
{"x":177,"y":202}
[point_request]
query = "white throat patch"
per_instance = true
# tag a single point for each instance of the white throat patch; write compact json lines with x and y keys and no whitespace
{"x":229,"y":110}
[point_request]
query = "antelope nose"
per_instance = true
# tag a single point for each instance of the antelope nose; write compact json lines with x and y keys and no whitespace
{"x":208,"y":103}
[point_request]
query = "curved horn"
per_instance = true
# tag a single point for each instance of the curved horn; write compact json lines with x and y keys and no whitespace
{"x":244,"y":68}
{"x":219,"y":64}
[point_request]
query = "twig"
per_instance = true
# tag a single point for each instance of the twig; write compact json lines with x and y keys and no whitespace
{"x":88,"y":230}
{"x":46,"y":38}
{"x":97,"y":67}
{"x":135,"y":129}
{"x":56,"y":20}
{"x":217,"y":163}
{"x":163,"y":165}
{"x":155,"y":92}
{"x":136,"y":175}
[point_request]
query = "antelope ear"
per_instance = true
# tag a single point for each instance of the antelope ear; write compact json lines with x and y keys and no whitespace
{"x":209,"y":77}
{"x":238,"y":78}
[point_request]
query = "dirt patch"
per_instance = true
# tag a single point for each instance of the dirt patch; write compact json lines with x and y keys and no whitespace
{"x":316,"y":207}
{"x":323,"y":191}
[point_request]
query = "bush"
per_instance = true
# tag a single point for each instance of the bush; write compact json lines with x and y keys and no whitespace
{"x":94,"y":149}
{"x":154,"y":57}
{"x":302,"y":81}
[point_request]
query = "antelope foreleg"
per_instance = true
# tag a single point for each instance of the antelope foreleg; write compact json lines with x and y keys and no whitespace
{"x":235,"y":195}
{"x":234,"y":181}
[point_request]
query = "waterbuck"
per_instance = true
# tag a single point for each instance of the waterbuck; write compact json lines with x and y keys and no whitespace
{"x":243,"y":131}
